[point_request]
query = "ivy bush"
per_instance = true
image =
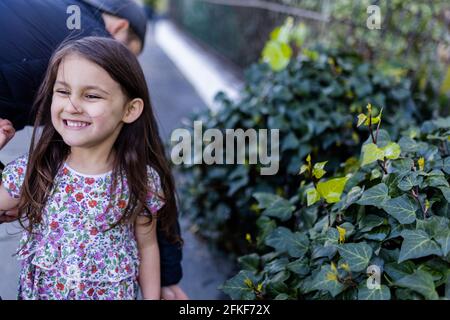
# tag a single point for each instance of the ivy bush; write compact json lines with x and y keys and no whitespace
{"x":390,"y":213}
{"x":312,"y":101}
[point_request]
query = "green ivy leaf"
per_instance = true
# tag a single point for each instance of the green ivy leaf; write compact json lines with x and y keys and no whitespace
{"x":237,"y":287}
{"x":370,"y":221}
{"x":375,"y":196}
{"x":265,"y":226}
{"x":433,"y":225}
{"x":332,"y":189}
{"x":276,"y":265}
{"x":249,"y":262}
{"x":275,"y":206}
{"x":371,"y":153}
{"x":397,"y":271}
{"x":327,"y":280}
{"x":446,"y":166}
{"x":392,"y":151}
{"x":436,"y":178}
{"x":421,"y":282}
{"x":299,"y":266}
{"x":280,"y":209}
{"x":282,"y":239}
{"x":446,"y":192}
{"x":443,"y":238}
{"x":417,"y":244}
{"x":265,"y":199}
{"x":409,"y":181}
{"x":379,"y":233}
{"x":357,"y":255}
{"x":353,"y":195}
{"x":402,"y":208}
{"x":276,"y":285}
{"x":381,"y":293}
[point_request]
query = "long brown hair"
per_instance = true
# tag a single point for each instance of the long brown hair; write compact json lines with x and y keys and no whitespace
{"x":138,"y":143}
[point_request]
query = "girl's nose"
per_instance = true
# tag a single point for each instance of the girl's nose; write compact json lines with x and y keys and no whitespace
{"x":73,"y":106}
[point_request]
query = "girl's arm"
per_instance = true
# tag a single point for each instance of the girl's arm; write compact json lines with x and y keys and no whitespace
{"x":149,"y":269}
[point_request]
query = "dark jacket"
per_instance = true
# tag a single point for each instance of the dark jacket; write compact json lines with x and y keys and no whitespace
{"x":30,"y":31}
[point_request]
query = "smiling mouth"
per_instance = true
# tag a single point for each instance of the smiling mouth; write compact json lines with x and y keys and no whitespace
{"x":76,"y":124}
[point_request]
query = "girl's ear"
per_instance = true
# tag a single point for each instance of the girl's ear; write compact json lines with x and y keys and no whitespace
{"x":133,"y":110}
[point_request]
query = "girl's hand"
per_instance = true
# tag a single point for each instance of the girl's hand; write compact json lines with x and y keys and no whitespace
{"x":7,"y":132}
{"x":173,"y":292}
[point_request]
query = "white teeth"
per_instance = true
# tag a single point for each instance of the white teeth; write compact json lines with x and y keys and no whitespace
{"x":76,"y":123}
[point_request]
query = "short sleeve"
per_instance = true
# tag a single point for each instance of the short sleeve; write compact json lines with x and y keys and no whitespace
{"x":155,"y":196}
{"x":13,"y":175}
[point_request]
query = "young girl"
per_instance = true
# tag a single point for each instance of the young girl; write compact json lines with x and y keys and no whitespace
{"x":94,"y":183}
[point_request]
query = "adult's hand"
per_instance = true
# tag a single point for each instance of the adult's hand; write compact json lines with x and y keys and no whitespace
{"x":7,"y":132}
{"x":173,"y":292}
{"x":8,"y":216}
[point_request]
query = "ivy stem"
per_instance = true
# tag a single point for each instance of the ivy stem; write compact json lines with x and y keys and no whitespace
{"x":415,"y":193}
{"x":374,"y":140}
{"x":378,"y":130}
{"x":328,"y":214}
{"x":387,"y":279}
{"x":382,"y":164}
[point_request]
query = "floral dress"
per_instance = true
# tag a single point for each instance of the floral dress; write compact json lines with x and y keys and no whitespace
{"x":72,"y":254}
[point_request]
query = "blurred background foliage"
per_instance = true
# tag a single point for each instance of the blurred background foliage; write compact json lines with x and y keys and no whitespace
{"x":414,"y":35}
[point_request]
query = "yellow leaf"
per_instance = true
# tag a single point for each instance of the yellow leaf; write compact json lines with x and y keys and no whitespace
{"x":248,"y":237}
{"x":259,"y":287}
{"x":342,"y":232}
{"x":361,"y":119}
{"x":331,"y":276}
{"x":345,"y":267}
{"x":248,"y":282}
{"x":318,"y":170}
{"x":421,"y":163}
{"x":303,"y":169}
{"x":333,"y":267}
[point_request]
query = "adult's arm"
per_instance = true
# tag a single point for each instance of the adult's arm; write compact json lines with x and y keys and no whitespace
{"x":170,"y":255}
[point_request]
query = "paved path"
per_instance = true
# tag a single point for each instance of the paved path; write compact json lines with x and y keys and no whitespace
{"x":173,"y":98}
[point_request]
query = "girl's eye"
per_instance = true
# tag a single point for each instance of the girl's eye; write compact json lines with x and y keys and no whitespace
{"x":62,"y":92}
{"x":90,"y":96}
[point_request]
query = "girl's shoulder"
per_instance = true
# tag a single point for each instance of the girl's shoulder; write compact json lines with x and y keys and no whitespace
{"x":18,"y":162}
{"x":13,"y":175}
{"x":154,"y":180}
{"x":18,"y":165}
{"x":155,"y":196}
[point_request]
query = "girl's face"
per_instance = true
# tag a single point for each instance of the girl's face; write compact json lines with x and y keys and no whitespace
{"x":88,"y":106}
